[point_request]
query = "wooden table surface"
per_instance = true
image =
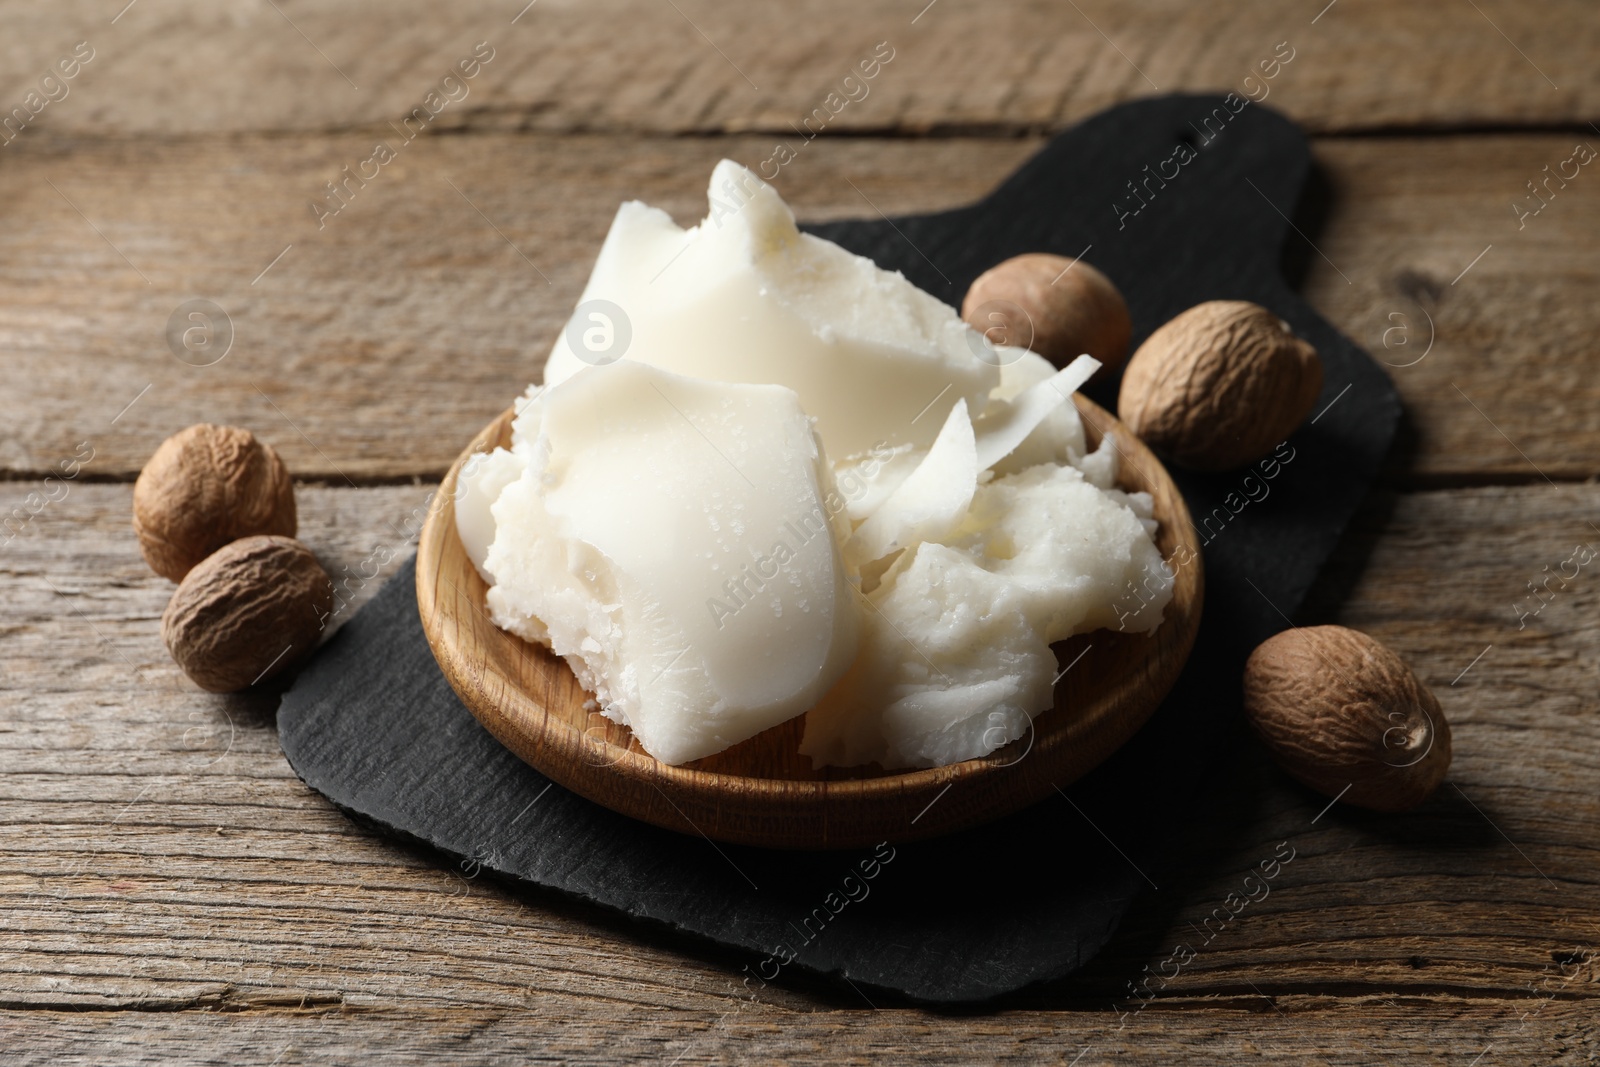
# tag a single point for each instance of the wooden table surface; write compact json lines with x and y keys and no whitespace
{"x":173,"y":894}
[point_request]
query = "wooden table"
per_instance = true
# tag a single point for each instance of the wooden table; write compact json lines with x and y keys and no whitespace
{"x":173,"y":894}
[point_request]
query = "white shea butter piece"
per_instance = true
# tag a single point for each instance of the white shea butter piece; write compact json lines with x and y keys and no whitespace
{"x":670,"y":537}
{"x":1058,"y":438}
{"x":955,"y":655}
{"x":478,"y":486}
{"x":746,"y":297}
{"x":865,"y":482}
{"x":1073,"y":551}
{"x":931,"y":500}
{"x":1007,"y":423}
{"x":950,"y":668}
{"x":912,"y":495}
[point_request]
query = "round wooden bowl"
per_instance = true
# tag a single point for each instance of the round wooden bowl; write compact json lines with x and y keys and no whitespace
{"x":763,"y":791}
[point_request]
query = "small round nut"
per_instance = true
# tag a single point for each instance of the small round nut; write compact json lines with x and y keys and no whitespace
{"x":246,"y":612}
{"x":204,"y":487}
{"x":1220,"y":385}
{"x":1343,"y":713}
{"x":1057,"y":306}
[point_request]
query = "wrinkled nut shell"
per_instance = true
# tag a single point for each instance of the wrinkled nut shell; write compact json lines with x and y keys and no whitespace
{"x":1337,"y":708}
{"x":247,"y":612}
{"x":204,"y":487}
{"x":1034,"y":301}
{"x":1219,"y":386}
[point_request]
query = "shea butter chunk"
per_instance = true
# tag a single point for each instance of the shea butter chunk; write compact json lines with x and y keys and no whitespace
{"x":478,"y":486}
{"x":746,"y":297}
{"x":672,"y":539}
{"x":1073,"y":550}
{"x":950,"y":668}
{"x":1007,"y":424}
{"x":932,"y":498}
{"x":1058,"y":438}
{"x":955,"y":658}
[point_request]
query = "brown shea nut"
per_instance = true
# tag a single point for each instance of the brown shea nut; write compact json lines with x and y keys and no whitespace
{"x":1057,"y":306}
{"x":1338,"y":709}
{"x":247,"y":612}
{"x":204,"y":487}
{"x":1219,"y":386}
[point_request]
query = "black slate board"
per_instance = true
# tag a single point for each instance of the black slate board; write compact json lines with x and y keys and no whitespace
{"x":372,"y":724}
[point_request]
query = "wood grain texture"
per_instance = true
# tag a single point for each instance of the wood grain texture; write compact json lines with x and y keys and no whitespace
{"x":185,"y":67}
{"x":158,"y":857}
{"x":762,"y":791}
{"x":173,"y":893}
{"x":1477,"y":312}
{"x":1249,"y":1028}
{"x":378,"y":344}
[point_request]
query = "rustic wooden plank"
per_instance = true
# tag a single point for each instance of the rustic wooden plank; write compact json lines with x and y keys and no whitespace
{"x":174,"y":894}
{"x":170,"y":67}
{"x":1479,"y":312}
{"x":379,"y":344}
{"x":1410,"y":1030}
{"x":156,"y":850}
{"x":154,"y":837}
{"x":1442,"y":578}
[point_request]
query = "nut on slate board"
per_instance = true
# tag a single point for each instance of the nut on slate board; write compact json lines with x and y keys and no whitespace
{"x":246,"y":612}
{"x":1338,"y":709}
{"x":204,"y":487}
{"x":1057,"y":306}
{"x":1219,"y":385}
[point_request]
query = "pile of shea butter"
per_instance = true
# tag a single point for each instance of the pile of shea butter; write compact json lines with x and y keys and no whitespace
{"x":805,"y":487}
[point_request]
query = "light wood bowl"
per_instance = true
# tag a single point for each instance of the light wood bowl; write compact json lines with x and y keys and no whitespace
{"x":763,"y":791}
